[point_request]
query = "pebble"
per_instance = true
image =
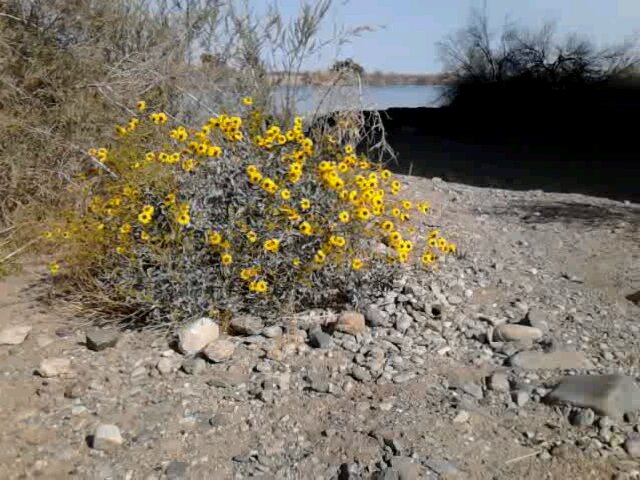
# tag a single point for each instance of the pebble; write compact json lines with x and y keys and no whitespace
{"x":403,"y":377}
{"x":350,"y":322}
{"x":107,"y":437}
{"x":360,"y":374}
{"x":509,"y":332}
{"x":499,"y":382}
{"x":632,"y":445}
{"x":462,"y":417}
{"x":14,"y":335}
{"x":472,"y":389}
{"x":520,"y":397}
{"x":98,"y":339}
{"x":612,"y":395}
{"x":403,"y":323}
{"x":247,"y":325}
{"x":176,"y":471}
{"x":166,"y":365}
{"x":320,"y":339}
{"x":560,"y":360}
{"x":192,"y":338}
{"x":272,"y":332}
{"x":537,"y":318}
{"x":374,"y":317}
{"x":583,"y":418}
{"x":219,"y":350}
{"x":54,"y":367}
{"x":193,"y":365}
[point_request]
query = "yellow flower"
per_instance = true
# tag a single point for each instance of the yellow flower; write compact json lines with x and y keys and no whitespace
{"x":247,"y":101}
{"x":252,"y":236}
{"x":348,"y":149}
{"x":170,"y":199}
{"x":433,"y":233}
{"x":344,"y":217}
{"x":395,"y":238}
{"x":396,"y":212}
{"x":305,"y":228}
{"x":215,"y":238}
{"x":385,"y":174}
{"x":144,"y":218}
{"x":141,"y":105}
{"x":387,"y":226}
{"x":54,"y":268}
{"x":432,"y":242}
{"x":296,"y":262}
{"x":403,"y":256}
{"x":261,"y":286}
{"x":144,"y":236}
{"x":285,"y":194}
{"x":226,"y":259}
{"x":247,"y":273}
{"x":183,"y":218}
{"x":305,"y":204}
{"x":148,"y":209}
{"x":406,"y":204}
{"x":272,"y":245}
{"x":125,"y":228}
{"x":320,"y":257}
{"x":121,"y":250}
{"x":252,"y":169}
{"x":363,"y":213}
{"x":356,"y":264}
{"x":424,"y":207}
{"x":395,"y":186}
{"x":427,"y":258}
{"x":255,"y":177}
{"x":442,"y":244}
{"x":451,"y":248}
{"x":188,"y":165}
{"x":47,"y":235}
{"x":337,"y":241}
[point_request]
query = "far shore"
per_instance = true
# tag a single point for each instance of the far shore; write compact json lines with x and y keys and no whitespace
{"x":327,"y":78}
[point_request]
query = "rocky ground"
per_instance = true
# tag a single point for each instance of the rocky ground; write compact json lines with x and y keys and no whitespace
{"x":491,"y":368}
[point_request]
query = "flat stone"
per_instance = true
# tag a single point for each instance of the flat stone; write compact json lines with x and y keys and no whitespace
{"x":582,"y":418}
{"x":247,"y":325}
{"x":520,"y":397}
{"x":99,"y":339}
{"x":192,"y":338}
{"x":360,"y":374}
{"x":611,"y":395}
{"x":561,"y":360}
{"x":509,"y":332}
{"x":176,"y":471}
{"x":107,"y":437}
{"x":350,"y":322}
{"x":272,"y":332}
{"x":472,"y":389}
{"x":219,"y":350}
{"x":167,"y":365}
{"x":632,"y":445}
{"x":375,"y":317}
{"x":54,"y":367}
{"x":320,"y":339}
{"x":538,"y":318}
{"x":14,"y":335}
{"x":193,"y":365}
{"x":499,"y":382}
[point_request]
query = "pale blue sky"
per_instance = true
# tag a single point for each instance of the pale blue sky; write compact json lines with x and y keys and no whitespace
{"x":410,"y":28}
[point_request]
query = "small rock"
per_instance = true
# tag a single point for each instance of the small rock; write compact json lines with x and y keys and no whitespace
{"x":406,"y":469}
{"x":320,"y":339}
{"x":272,"y":332}
{"x":632,"y":445}
{"x":499,"y":382}
{"x":44,"y":341}
{"x":531,"y":360}
{"x":166,"y":365}
{"x":73,"y":390}
{"x":462,"y":417}
{"x":99,"y":339}
{"x":219,"y":350}
{"x":583,"y":418}
{"x":403,"y":323}
{"x":374,"y":317}
{"x":220,"y":420}
{"x":107,"y":437}
{"x":472,"y":389}
{"x":403,"y":377}
{"x":360,"y":374}
{"x":350,"y":322}
{"x":520,"y":398}
{"x":611,"y":395}
{"x":53,"y":367}
{"x":176,"y":471}
{"x":193,"y":365}
{"x":454,"y":300}
{"x":192,"y":338}
{"x":319,"y":382}
{"x":247,"y":325}
{"x":538,"y":319}
{"x":509,"y":332}
{"x":14,"y":335}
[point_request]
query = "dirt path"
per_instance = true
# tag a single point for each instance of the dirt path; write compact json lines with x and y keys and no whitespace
{"x":411,"y":402}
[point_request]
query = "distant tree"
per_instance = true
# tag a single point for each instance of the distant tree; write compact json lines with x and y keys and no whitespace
{"x":347,"y":65}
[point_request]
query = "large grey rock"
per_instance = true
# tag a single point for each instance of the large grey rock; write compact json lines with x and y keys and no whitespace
{"x":107,"y":437}
{"x":532,"y":360}
{"x":247,"y":325}
{"x":508,"y":332}
{"x":193,"y":337}
{"x":320,"y":339}
{"x":611,"y":395}
{"x":14,"y":335}
{"x":99,"y":339}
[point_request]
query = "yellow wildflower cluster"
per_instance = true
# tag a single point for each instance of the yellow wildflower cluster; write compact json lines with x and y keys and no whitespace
{"x":290,"y":208}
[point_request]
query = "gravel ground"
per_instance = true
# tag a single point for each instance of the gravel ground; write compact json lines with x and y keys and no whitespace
{"x":451,"y":375}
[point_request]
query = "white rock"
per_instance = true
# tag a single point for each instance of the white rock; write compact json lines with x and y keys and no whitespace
{"x":195,"y":336}
{"x":508,"y":332}
{"x":167,"y":365}
{"x":107,"y":437}
{"x":462,"y":417}
{"x":220,"y":350}
{"x":53,"y":367}
{"x":14,"y":335}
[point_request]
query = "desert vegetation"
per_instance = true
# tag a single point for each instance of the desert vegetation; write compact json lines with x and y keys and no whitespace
{"x":166,"y":188}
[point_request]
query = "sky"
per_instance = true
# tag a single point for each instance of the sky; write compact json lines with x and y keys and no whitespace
{"x":408,"y":30}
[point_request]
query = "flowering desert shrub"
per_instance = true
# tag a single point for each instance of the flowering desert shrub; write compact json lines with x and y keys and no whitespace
{"x":242,"y":213}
